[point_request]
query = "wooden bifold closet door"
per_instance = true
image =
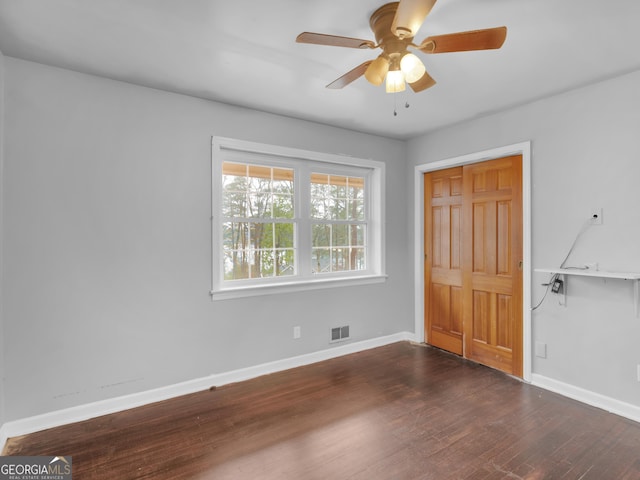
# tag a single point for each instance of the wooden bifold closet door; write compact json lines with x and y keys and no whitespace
{"x":473,"y":262}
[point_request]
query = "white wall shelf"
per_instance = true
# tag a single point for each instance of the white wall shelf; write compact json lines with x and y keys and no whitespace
{"x":635,"y":277}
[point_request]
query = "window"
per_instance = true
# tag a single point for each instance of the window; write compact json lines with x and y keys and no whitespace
{"x":287,"y":219}
{"x":339,"y":223}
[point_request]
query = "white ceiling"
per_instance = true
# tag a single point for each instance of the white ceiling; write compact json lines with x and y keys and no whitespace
{"x":243,"y":52}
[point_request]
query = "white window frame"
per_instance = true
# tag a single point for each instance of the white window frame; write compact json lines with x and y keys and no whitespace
{"x":304,"y":162}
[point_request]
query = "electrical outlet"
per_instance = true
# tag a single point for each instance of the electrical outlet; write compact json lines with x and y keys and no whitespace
{"x":639,"y":372}
{"x":596,"y":216}
{"x":297,"y":332}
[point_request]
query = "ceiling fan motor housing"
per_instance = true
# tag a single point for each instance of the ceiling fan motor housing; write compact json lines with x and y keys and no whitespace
{"x":380,"y":22}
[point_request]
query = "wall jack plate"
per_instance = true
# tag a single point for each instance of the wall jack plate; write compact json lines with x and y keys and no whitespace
{"x":557,"y":286}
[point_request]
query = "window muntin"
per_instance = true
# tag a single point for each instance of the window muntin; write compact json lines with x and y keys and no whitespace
{"x":265,"y":216}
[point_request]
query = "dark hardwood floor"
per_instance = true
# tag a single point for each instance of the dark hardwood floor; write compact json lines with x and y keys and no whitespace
{"x":398,"y":412}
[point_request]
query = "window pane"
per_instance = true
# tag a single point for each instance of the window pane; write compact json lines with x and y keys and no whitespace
{"x":340,"y":236}
{"x":335,"y":197}
{"x":264,"y":264}
{"x":257,"y":191}
{"x":247,"y":235}
{"x":320,"y":260}
{"x":234,"y":187}
{"x":320,"y":208}
{"x":285,"y":264}
{"x":338,"y":186}
{"x":259,"y":205}
{"x":355,"y":198}
{"x":234,"y":204}
{"x":340,"y":260}
{"x":357,"y":235}
{"x":246,"y":264}
{"x":234,"y":176}
{"x":258,"y":250}
{"x":283,"y":174}
{"x":284,"y":235}
{"x":282,"y":181}
{"x":259,"y":185}
{"x":261,"y":235}
{"x":235,"y":235}
{"x":343,"y":259}
{"x":338,"y":247}
{"x":320,"y":179}
{"x":259,"y":173}
{"x":321,"y":236}
{"x":338,"y":209}
{"x":358,"y":259}
{"x":355,"y":209}
{"x":237,"y":264}
{"x":283,"y":206}
{"x":320,"y":185}
{"x":327,"y":260}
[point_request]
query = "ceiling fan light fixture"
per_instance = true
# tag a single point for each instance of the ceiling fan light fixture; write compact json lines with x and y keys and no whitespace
{"x":377,"y":71}
{"x":395,"y":81}
{"x":412,"y":67}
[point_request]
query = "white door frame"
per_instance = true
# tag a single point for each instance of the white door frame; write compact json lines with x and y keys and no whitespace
{"x":523,"y":149}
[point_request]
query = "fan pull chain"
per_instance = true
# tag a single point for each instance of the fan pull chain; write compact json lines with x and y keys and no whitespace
{"x":395,"y":105}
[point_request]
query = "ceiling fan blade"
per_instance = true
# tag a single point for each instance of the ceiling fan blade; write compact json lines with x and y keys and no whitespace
{"x":350,"y":76}
{"x":426,"y":81}
{"x":487,"y":39}
{"x":333,"y":40}
{"x":409,"y":17}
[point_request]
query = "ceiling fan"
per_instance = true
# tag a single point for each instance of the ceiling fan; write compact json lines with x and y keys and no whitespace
{"x":394,"y":25}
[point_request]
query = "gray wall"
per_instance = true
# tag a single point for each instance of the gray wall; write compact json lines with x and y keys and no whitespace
{"x":107,"y":243}
{"x":2,"y":335}
{"x":106,"y":237}
{"x":584,"y":155}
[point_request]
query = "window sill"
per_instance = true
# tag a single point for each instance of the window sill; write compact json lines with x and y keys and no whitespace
{"x":256,"y":290}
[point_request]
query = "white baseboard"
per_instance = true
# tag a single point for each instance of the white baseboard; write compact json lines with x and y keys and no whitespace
{"x":594,"y":399}
{"x":112,"y":405}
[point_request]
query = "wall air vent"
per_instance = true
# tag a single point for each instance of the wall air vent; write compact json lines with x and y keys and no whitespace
{"x":339,"y":334}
